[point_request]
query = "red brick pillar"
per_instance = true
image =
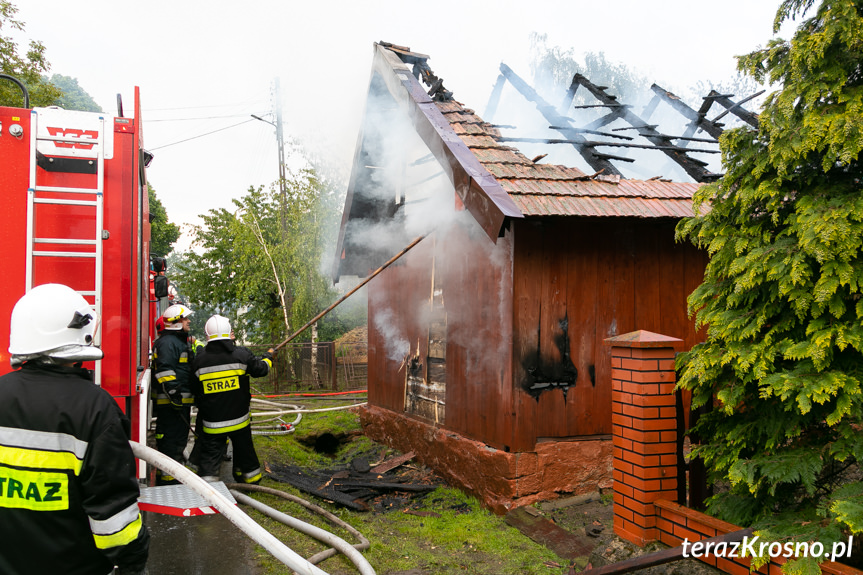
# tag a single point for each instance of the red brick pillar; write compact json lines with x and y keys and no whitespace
{"x":644,"y":430}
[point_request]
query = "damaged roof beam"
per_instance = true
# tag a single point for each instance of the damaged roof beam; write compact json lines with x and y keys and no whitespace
{"x":494,"y":99}
{"x":735,"y":107}
{"x":693,"y":168}
{"x":594,"y":160}
{"x":696,"y":118}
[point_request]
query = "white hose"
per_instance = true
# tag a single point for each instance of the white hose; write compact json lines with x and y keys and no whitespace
{"x":246,"y":524}
{"x":272,"y":413}
{"x":320,"y":534}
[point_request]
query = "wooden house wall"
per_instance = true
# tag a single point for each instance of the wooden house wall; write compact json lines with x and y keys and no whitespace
{"x":396,"y":299}
{"x":576,"y":283}
{"x":475,"y":276}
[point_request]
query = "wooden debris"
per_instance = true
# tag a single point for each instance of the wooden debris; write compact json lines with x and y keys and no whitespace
{"x":392,"y":463}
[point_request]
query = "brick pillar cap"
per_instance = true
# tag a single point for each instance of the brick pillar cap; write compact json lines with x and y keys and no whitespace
{"x":643,"y":338}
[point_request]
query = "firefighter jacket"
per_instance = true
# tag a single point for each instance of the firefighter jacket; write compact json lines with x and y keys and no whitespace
{"x":172,"y":368}
{"x":220,"y":383}
{"x":68,"y":492}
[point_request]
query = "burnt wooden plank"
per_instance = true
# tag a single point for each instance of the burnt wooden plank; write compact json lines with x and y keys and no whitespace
{"x":392,"y":463}
{"x":647,"y":284}
{"x":539,"y":529}
{"x":582,"y":294}
{"x":555,"y":367}
{"x":606,"y":326}
{"x":526,"y":325}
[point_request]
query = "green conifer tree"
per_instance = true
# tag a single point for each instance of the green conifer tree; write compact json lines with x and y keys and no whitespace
{"x":783,"y":293}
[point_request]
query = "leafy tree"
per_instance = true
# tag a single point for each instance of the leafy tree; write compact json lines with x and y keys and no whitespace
{"x":267,"y":285}
{"x":783,"y":292}
{"x":27,"y":67}
{"x":553,"y":69}
{"x":73,"y":96}
{"x":163,"y":233}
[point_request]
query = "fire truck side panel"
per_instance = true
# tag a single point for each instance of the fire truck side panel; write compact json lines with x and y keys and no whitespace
{"x":126,"y":308}
{"x":14,"y":177}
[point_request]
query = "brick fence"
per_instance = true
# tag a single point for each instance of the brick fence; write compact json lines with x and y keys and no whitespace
{"x":644,"y":427}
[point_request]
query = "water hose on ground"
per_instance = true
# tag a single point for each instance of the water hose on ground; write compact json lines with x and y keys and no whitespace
{"x":273,"y":413}
{"x":236,"y":516}
{"x":361,"y":546}
{"x":352,"y":552}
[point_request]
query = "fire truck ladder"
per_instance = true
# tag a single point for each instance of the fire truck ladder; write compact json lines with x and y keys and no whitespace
{"x":93,"y":197}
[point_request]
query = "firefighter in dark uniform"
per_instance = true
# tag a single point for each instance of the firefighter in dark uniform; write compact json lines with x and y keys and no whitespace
{"x":172,"y":363}
{"x":68,"y":492}
{"x":220,"y":383}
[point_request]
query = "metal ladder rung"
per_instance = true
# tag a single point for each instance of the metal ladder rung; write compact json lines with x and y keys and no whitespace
{"x":65,"y":202}
{"x":70,"y":241}
{"x":93,"y":148}
{"x":66,"y":254}
{"x":66,"y":190}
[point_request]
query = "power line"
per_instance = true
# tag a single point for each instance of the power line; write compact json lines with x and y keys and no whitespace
{"x":201,"y":118}
{"x":200,"y":135}
{"x":147,"y":110}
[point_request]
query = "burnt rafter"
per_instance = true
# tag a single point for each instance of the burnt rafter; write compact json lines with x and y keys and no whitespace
{"x":732,"y":107}
{"x":596,"y":161}
{"x":695,"y":168}
{"x":697,"y":119}
{"x":421,"y":71}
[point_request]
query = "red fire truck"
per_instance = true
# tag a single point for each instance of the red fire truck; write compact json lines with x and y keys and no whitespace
{"x":75,"y":212}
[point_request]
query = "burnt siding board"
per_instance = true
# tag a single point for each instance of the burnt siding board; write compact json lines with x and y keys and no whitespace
{"x":616,"y":274}
{"x":582,"y":289}
{"x":475,"y":276}
{"x":396,"y":299}
{"x":527,"y":270}
{"x":599,"y":277}
{"x":555,"y":369}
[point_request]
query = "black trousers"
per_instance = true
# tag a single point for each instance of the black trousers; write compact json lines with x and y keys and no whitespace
{"x":247,"y":468}
{"x":172,"y":434}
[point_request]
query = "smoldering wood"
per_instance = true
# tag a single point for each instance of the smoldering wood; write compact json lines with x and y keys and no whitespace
{"x":646,"y":126}
{"x":392,"y":463}
{"x":551,"y":115}
{"x":345,"y":487}
{"x":586,"y":131}
{"x":695,"y":169}
{"x":697,"y":119}
{"x":736,"y":108}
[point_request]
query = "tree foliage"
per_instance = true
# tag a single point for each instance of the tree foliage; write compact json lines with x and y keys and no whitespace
{"x":73,"y":96}
{"x":553,"y":69}
{"x":267,"y":282}
{"x":27,"y":67}
{"x":783,"y":292}
{"x":163,"y":233}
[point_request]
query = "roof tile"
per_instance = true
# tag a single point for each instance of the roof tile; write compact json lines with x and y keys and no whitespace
{"x":551,"y":190}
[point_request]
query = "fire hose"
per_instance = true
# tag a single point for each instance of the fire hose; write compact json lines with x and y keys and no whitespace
{"x":236,"y":516}
{"x":337,"y":543}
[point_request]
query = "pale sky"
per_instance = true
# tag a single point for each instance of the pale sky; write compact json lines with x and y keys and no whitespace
{"x":217,"y":60}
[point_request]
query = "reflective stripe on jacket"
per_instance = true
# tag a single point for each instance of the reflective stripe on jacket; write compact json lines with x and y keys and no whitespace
{"x":68,"y":492}
{"x":172,"y":368}
{"x":220,"y":383}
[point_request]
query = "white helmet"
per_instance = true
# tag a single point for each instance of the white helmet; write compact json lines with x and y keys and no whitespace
{"x":217,"y":327}
{"x":173,"y":315}
{"x":53,"y":321}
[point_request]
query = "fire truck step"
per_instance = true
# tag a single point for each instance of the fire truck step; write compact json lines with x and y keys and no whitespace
{"x":179,"y":500}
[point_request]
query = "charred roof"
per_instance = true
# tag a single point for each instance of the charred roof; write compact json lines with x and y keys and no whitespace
{"x":417,"y":142}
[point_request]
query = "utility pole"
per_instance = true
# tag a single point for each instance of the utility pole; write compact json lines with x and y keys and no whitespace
{"x":280,"y":140}
{"x":283,"y":196}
